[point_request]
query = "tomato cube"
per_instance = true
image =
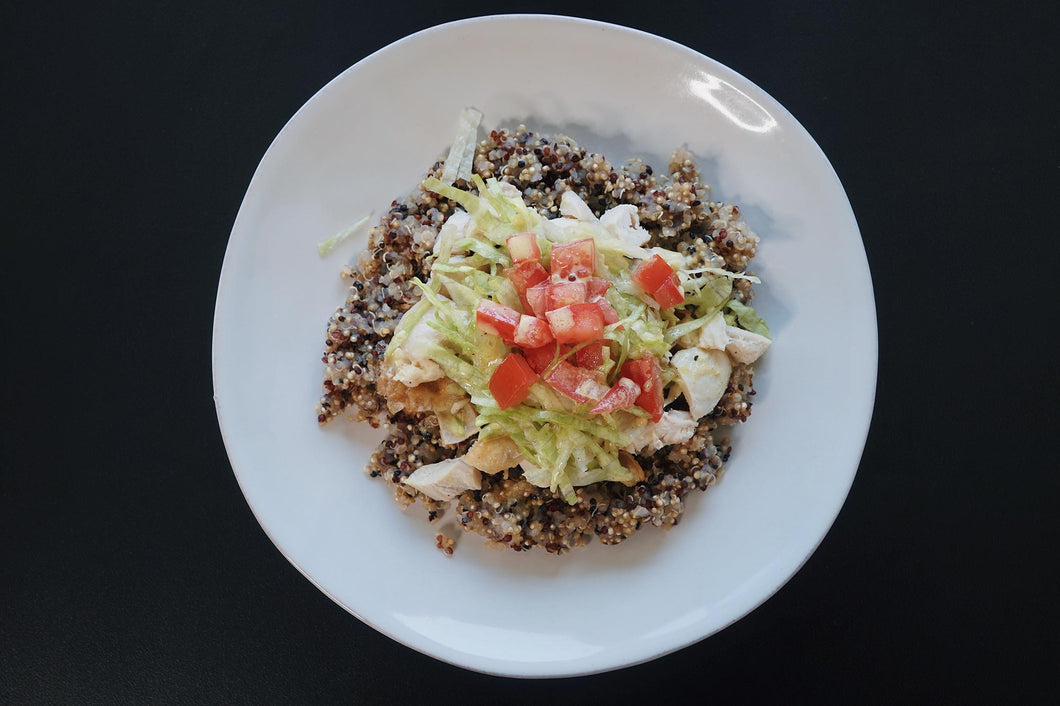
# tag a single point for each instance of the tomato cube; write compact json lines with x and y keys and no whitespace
{"x":577,"y":259}
{"x":522,"y":247}
{"x":532,"y":332}
{"x":540,"y":358}
{"x":608,"y":311}
{"x":646,"y":373}
{"x":564,"y":293}
{"x":511,"y":381}
{"x":597,"y":286}
{"x":575,"y":323}
{"x":497,"y":319}
{"x":622,"y":395}
{"x":524,"y":275}
{"x":537,"y":299}
{"x":670,"y":294}
{"x":652,"y":273}
{"x":591,"y":356}
{"x":577,"y":383}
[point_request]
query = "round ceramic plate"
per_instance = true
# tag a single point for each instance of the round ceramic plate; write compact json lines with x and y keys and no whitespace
{"x":367,"y":138}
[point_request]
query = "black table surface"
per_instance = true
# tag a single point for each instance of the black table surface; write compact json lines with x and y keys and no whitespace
{"x":133,"y":569}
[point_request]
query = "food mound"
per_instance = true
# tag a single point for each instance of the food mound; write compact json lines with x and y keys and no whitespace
{"x":554,"y":345}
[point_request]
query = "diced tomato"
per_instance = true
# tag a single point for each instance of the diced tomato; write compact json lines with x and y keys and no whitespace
{"x":575,"y":323}
{"x":670,"y":294}
{"x":591,"y":356}
{"x":532,"y":332}
{"x":610,"y":315}
{"x":511,"y":381}
{"x":497,"y":319}
{"x":522,"y":247}
{"x":537,"y":299}
{"x":646,"y":373}
{"x":577,"y":259}
{"x":597,"y":286}
{"x":655,"y":276}
{"x":540,"y":358}
{"x":652,"y":273}
{"x":577,"y":383}
{"x":564,"y":293}
{"x":622,"y":395}
{"x":524,"y":275}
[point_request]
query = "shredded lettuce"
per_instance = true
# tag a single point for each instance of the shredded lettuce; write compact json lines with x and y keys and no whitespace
{"x":462,"y":152}
{"x":562,"y":450}
{"x":678,"y":330}
{"x":638,"y":328}
{"x":461,"y":342}
{"x":463,"y":373}
{"x":324,"y":249}
{"x":707,"y":295}
{"x":497,"y":287}
{"x":492,"y":253}
{"x":489,"y":351}
{"x":564,"y":446}
{"x":405,"y":326}
{"x":497,"y":211}
{"x":508,"y":204}
{"x":461,"y":294}
{"x":475,"y":206}
{"x":721,"y":272}
{"x":748,"y":320}
{"x":450,"y":320}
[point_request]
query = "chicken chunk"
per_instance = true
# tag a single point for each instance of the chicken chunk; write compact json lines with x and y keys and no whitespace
{"x":703,"y":377}
{"x":411,"y":362}
{"x":712,"y":336}
{"x":675,"y":427}
{"x":445,"y":480}
{"x":438,"y":395}
{"x":493,"y":455}
{"x":745,"y":346}
{"x":624,"y":222}
{"x":458,"y":422}
{"x":454,"y":229}
{"x":572,"y":206}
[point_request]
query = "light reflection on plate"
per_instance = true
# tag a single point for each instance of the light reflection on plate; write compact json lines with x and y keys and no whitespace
{"x":365,"y":139}
{"x":732,"y":103}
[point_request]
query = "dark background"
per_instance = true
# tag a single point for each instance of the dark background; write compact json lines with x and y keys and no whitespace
{"x":132,"y":568}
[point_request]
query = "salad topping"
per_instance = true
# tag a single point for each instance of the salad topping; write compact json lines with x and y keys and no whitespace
{"x":568,"y":338}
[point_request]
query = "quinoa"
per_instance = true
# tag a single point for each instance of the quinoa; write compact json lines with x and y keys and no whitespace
{"x":508,"y":511}
{"x":446,"y":545}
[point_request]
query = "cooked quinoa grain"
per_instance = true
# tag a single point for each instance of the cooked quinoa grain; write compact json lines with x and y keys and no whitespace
{"x":508,"y":511}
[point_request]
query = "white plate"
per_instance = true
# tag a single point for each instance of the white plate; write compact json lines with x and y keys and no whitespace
{"x":365,"y":139}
